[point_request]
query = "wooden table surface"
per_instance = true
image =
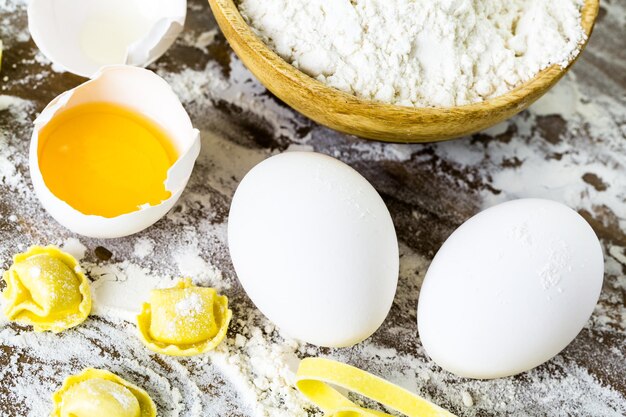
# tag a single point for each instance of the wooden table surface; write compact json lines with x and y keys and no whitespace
{"x":570,"y":147}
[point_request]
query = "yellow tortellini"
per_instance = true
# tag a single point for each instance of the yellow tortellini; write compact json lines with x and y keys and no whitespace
{"x":100,"y":393}
{"x":184,"y":320}
{"x":47,"y":289}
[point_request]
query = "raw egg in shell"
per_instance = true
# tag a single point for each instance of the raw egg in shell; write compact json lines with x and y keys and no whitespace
{"x":112,"y":156}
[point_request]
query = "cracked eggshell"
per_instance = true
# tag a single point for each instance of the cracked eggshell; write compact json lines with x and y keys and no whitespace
{"x":81,"y":36}
{"x":148,"y":94}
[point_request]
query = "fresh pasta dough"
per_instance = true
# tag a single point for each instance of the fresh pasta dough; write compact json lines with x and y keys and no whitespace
{"x":325,"y":383}
{"x":100,"y":393}
{"x":46,"y":288}
{"x":184,"y":320}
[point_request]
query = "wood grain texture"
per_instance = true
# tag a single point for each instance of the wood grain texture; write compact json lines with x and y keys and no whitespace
{"x":572,"y":153}
{"x":369,"y":119}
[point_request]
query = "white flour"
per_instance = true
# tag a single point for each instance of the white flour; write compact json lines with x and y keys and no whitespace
{"x":251,"y":373}
{"x":420,"y":53}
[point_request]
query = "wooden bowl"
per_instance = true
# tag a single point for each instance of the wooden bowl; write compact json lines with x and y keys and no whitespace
{"x":369,"y":119}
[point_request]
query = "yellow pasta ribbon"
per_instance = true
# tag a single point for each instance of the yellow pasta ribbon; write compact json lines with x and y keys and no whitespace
{"x":316,"y":375}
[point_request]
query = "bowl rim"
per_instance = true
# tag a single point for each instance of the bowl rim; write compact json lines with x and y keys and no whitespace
{"x":338,"y":102}
{"x":589,"y":13}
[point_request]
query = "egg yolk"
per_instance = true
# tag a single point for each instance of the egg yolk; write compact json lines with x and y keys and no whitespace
{"x":105,"y":160}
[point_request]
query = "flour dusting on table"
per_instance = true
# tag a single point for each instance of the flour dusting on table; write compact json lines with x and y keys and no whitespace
{"x":570,"y":147}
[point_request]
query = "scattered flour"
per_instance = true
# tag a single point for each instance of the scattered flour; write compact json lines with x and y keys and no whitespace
{"x":9,"y":174}
{"x":190,"y":305}
{"x":201,"y":41}
{"x":189,"y":262}
{"x":143,"y":247}
{"x":434,"y":53}
{"x":252,"y":372}
{"x":468,"y":401}
{"x":119,"y":290}
{"x":74,"y":248}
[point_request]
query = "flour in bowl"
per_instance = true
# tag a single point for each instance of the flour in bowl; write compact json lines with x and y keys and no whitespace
{"x":422,"y":53}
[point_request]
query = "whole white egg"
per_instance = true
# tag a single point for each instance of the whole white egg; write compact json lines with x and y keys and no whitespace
{"x":510,"y":289}
{"x":314,"y":247}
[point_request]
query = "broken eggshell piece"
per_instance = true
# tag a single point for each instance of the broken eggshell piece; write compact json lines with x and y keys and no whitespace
{"x":148,"y":94}
{"x":81,"y":36}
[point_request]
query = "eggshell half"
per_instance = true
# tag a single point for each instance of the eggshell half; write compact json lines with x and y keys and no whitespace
{"x":147,"y":93}
{"x":510,"y":289}
{"x":314,"y":247}
{"x":81,"y":36}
